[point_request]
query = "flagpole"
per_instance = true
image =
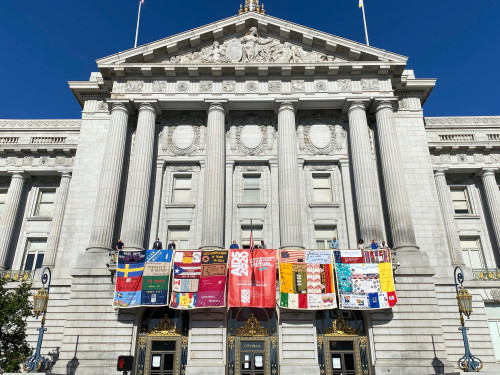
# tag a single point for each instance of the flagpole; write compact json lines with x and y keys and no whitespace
{"x":364,"y":21}
{"x":137,"y":28}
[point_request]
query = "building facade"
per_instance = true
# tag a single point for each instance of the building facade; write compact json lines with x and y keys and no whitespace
{"x":253,"y":118}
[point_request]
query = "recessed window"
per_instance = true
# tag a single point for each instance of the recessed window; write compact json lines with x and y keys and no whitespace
{"x":45,"y":202}
{"x":3,"y":198}
{"x":493,"y":315}
{"x":323,"y":234}
{"x":180,"y":236}
{"x":472,"y":252}
{"x":461,"y":202}
{"x":245,"y":236}
{"x":251,"y":189}
{"x":35,"y":251}
{"x":181,"y":192}
{"x":322,"y":188}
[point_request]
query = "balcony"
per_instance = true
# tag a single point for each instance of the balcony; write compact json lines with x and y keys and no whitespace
{"x":17,"y":275}
{"x":485,"y":274}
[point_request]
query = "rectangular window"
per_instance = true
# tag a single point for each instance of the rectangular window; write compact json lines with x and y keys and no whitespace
{"x":181,"y":192}
{"x":322,"y":189}
{"x":180,"y":236}
{"x":251,"y":189}
{"x":323,"y":235}
{"x":3,"y":197}
{"x":472,"y":252}
{"x":245,"y":236}
{"x":35,"y":251}
{"x":45,"y":202}
{"x":493,"y":315}
{"x":460,"y":198}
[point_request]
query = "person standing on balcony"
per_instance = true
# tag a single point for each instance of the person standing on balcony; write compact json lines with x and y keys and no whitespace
{"x":374,"y":245}
{"x":383,"y":245}
{"x":171,"y":246}
{"x":361,"y":244}
{"x":262,"y":245}
{"x":234,"y":245}
{"x":157,"y":245}
{"x":334,"y":243}
{"x":119,"y":245}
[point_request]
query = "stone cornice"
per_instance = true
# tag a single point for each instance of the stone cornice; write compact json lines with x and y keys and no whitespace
{"x":48,"y":124}
{"x":463,"y":121}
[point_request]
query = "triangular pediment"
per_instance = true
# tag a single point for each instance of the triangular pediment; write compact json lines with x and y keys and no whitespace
{"x":251,"y":38}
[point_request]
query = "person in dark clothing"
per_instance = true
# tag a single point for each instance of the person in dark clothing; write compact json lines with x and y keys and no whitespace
{"x":157,"y":245}
{"x":234,"y":245}
{"x":171,"y":246}
{"x":119,"y":245}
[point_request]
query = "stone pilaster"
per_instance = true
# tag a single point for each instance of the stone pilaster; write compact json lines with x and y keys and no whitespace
{"x":139,"y":180}
{"x":103,"y":223}
{"x":365,"y":178}
{"x":212,"y":232}
{"x":448,"y":215}
{"x":492,"y":200}
{"x":57,"y":219}
{"x":288,"y":177}
{"x":8,"y":219}
{"x":403,"y":233}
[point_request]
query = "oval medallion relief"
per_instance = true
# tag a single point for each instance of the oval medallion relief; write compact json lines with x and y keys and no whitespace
{"x":320,"y":136}
{"x":251,"y":136}
{"x":183,"y":136}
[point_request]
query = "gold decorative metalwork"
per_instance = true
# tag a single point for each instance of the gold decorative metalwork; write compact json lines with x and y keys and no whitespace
{"x":274,"y":341}
{"x":340,"y":328}
{"x":184,"y":342}
{"x":320,"y":341}
{"x":165,"y":327}
{"x":142,"y":341}
{"x":252,"y":328}
{"x":486,"y":274}
{"x":252,"y":6}
{"x":16,"y":275}
{"x":230,"y":340}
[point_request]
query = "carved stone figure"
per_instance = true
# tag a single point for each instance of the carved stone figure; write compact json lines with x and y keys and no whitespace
{"x":229,"y":86}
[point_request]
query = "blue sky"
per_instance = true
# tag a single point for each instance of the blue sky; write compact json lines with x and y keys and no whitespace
{"x":47,"y":43}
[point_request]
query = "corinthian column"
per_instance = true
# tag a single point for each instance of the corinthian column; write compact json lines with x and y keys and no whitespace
{"x":57,"y":220}
{"x":403,"y":233}
{"x":9,"y":215}
{"x":492,"y":200}
{"x":109,"y":183}
{"x":288,"y":178}
{"x":139,"y":180}
{"x":365,"y":177}
{"x":212,"y":232}
{"x":448,"y":214}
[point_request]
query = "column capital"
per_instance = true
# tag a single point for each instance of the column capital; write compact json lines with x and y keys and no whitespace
{"x":20,"y":174}
{"x":65,"y":174}
{"x":351,"y":104}
{"x":440,"y":172}
{"x":119,"y":105}
{"x":216,"y":105}
{"x":485,"y":172}
{"x":149,"y":105}
{"x":384,"y":103}
{"x":282,"y":105}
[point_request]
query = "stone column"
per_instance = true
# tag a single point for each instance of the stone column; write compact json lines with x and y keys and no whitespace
{"x":288,"y":179}
{"x":365,"y":177}
{"x":212,"y":232}
{"x":103,"y":223}
{"x":139,"y":180}
{"x":8,"y":219}
{"x":492,"y":200}
{"x":57,"y":220}
{"x":403,"y":233}
{"x":448,"y":214}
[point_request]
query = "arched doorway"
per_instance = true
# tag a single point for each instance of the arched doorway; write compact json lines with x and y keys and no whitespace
{"x":342,"y":343}
{"x":162,"y":343}
{"x":252,"y":342}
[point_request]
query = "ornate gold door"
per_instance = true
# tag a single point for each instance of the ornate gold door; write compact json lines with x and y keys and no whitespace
{"x":252,"y":342}
{"x":342,"y":343}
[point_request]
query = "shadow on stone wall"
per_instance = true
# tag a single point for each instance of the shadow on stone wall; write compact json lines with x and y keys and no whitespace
{"x":437,"y":364}
{"x":74,"y":363}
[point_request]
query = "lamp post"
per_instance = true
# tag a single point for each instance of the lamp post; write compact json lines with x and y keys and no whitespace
{"x":468,"y":362}
{"x":37,"y":363}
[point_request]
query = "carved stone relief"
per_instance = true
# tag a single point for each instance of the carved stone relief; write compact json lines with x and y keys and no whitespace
{"x":102,"y":107}
{"x":36,"y":161}
{"x":16,"y":124}
{"x":495,"y":295}
{"x":344,"y":85}
{"x":251,"y":135}
{"x":159,"y":86}
{"x":369,"y":84}
{"x":251,"y":48}
{"x":321,"y":135}
{"x":252,"y":168}
{"x":251,"y":86}
{"x":465,"y":158}
{"x":134,"y":86}
{"x":274,"y":86}
{"x":298,"y":85}
{"x":404,"y":103}
{"x":320,"y":85}
{"x":182,"y":86}
{"x":320,"y":167}
{"x":183,"y":135}
{"x":183,"y":167}
{"x":228,"y":86}
{"x":206,"y":86}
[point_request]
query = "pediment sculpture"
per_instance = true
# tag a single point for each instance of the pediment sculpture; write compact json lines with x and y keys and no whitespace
{"x":251,"y":48}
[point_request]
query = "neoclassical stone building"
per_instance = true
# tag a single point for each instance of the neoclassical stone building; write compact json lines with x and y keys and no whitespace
{"x":308,"y":135}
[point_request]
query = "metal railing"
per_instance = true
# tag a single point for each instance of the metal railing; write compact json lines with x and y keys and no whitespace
{"x":17,"y":275}
{"x":486,"y":274}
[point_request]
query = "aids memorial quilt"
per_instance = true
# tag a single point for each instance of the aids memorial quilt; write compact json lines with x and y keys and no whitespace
{"x":199,"y":279}
{"x":364,"y":279}
{"x":142,"y":278}
{"x":306,"y":279}
{"x":252,"y":278}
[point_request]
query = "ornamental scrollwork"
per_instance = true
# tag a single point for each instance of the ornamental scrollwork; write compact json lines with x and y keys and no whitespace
{"x":182,"y":135}
{"x":251,"y":48}
{"x":321,"y":135}
{"x":15,"y":124}
{"x":251,"y":135}
{"x":134,"y":86}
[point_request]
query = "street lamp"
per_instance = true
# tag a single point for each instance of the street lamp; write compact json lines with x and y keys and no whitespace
{"x":468,"y":362}
{"x":37,"y":363}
